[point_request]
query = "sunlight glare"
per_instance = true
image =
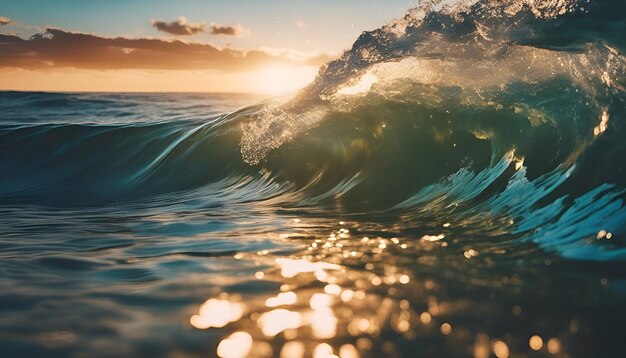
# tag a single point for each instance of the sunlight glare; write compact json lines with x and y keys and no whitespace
{"x":279,"y":80}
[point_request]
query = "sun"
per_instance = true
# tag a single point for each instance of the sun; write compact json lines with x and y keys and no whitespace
{"x":279,"y":80}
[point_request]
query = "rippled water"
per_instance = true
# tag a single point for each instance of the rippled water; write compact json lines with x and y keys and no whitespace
{"x":453,"y":185}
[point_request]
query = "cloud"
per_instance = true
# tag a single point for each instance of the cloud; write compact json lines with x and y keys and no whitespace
{"x":6,"y":21}
{"x":56,"y":48}
{"x":229,"y":30}
{"x":180,"y":26}
{"x":301,"y":23}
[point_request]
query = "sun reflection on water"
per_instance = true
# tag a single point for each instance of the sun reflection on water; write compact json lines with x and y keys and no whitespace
{"x":282,"y":299}
{"x":343,"y":293}
{"x":237,"y":345}
{"x":293,"y":267}
{"x":279,"y":320}
{"x":217,"y":313}
{"x":293,"y":349}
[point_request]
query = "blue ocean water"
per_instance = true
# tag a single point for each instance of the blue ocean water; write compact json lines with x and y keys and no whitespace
{"x":453,"y":185}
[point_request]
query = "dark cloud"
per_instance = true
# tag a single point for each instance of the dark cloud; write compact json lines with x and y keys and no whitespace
{"x":60,"y":48}
{"x":179,"y":26}
{"x":230,"y":30}
{"x":6,"y":21}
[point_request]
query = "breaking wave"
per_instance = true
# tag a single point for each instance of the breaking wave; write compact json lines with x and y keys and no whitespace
{"x":500,"y":117}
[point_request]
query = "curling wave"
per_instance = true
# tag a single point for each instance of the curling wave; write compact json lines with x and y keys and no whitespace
{"x":501,"y":117}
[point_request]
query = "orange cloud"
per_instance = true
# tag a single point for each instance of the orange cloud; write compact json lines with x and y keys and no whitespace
{"x":59,"y":48}
{"x":6,"y":21}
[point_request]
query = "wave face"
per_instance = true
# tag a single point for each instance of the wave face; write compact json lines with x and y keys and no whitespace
{"x":488,"y":106}
{"x":471,"y":150}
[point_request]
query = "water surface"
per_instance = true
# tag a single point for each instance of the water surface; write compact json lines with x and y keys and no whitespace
{"x":453,"y":185}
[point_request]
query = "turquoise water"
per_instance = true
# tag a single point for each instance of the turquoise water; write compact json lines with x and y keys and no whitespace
{"x":453,"y":185}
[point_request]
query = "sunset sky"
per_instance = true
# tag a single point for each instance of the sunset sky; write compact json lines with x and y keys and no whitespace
{"x":269,"y":46}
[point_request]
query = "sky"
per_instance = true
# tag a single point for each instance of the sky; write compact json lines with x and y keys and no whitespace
{"x":262,"y":46}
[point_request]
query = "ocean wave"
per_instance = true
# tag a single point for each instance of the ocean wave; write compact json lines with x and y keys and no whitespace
{"x":511,"y":112}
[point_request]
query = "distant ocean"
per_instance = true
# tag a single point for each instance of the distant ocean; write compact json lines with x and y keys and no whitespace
{"x":453,"y":185}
